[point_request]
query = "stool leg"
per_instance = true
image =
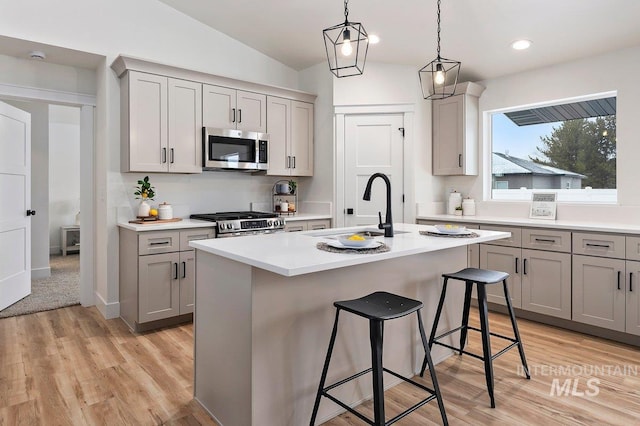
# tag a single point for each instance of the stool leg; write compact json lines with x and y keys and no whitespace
{"x":515,"y":329}
{"x":486,"y":343}
{"x":432,"y":370}
{"x":465,"y":314}
{"x":323,"y":378}
{"x":434,"y":328}
{"x":376,"y":328}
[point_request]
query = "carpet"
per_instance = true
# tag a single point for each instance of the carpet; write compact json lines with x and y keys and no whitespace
{"x":61,"y":289}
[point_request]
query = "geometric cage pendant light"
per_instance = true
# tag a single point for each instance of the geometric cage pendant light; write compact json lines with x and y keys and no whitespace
{"x":346,"y":45}
{"x":438,"y":79}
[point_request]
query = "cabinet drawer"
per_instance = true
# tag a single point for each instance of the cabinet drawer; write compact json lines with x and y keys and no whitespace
{"x":514,"y":241}
{"x":546,"y":239}
{"x":158,"y":242}
{"x":194,"y":234}
{"x":633,"y":248}
{"x":313,"y":225}
{"x":603,"y":245}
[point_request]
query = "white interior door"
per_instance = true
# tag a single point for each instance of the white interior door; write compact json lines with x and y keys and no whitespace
{"x":15,"y":200}
{"x":373,"y":144}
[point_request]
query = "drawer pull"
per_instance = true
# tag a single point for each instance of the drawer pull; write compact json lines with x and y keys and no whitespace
{"x":618,"y":280}
{"x":159,"y":243}
{"x":545,"y":240}
{"x":198,"y":237}
{"x":598,"y":245}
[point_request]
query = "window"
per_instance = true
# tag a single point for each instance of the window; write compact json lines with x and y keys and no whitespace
{"x":570,"y":147}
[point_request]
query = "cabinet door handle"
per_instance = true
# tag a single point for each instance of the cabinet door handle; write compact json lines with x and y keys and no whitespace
{"x":619,"y":280}
{"x":175,"y":270}
{"x":184,"y":269}
{"x":517,"y":265}
{"x":459,"y":160}
{"x":233,"y":120}
{"x":288,"y":161}
{"x":164,"y":155}
{"x":171,"y":152}
{"x":294,"y":162}
{"x":239,"y":116}
{"x":524,"y":266}
{"x":630,"y":281}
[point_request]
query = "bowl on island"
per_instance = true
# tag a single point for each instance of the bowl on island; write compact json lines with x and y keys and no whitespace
{"x":355,"y":240}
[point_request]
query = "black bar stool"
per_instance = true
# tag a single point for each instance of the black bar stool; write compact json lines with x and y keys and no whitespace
{"x":480,"y":277}
{"x":378,"y":307}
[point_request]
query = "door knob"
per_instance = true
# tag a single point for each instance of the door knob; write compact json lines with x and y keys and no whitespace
{"x":31,"y":212}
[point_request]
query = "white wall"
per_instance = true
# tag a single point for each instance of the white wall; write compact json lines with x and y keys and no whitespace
{"x":151,"y":30}
{"x":64,"y":170}
{"x":569,"y":80}
{"x":39,"y":186}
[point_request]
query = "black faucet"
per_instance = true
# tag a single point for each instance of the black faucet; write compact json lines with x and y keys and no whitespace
{"x":388,"y":223}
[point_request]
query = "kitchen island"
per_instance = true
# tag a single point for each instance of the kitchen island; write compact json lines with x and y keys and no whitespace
{"x":264,"y":312}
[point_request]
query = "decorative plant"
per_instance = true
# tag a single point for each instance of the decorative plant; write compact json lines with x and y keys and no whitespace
{"x":459,"y":208}
{"x":145,"y":190}
{"x":292,"y":186}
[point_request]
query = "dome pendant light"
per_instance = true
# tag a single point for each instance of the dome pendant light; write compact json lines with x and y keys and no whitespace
{"x":438,"y":79}
{"x":346,"y":45}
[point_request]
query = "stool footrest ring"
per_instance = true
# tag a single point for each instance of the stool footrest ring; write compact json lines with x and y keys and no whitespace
{"x":432,"y":396}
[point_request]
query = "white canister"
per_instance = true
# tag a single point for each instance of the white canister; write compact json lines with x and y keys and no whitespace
{"x":284,"y":206}
{"x":455,"y":200}
{"x":468,"y":207}
{"x":165,"y":211}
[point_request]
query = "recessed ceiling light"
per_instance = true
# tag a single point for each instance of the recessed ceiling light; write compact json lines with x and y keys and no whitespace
{"x":521,"y":44}
{"x":37,"y":55}
{"x":374,"y":39}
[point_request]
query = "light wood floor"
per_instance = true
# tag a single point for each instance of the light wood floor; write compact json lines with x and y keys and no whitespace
{"x":70,"y":366}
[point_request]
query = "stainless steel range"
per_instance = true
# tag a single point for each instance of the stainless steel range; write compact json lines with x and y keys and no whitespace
{"x":237,"y":224}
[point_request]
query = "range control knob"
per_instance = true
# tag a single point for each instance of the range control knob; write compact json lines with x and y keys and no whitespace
{"x":269,"y":223}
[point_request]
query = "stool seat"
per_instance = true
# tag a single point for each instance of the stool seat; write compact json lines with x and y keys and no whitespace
{"x":480,"y":276}
{"x":380,"y":306}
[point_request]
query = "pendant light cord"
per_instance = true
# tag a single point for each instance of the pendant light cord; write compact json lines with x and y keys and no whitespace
{"x":438,"y":27}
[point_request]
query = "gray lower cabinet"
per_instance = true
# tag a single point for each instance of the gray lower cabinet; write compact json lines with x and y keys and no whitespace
{"x":505,"y":259}
{"x":307,"y":225}
{"x":157,"y":276}
{"x":633,"y":297}
{"x":539,"y":264}
{"x":599,"y":291}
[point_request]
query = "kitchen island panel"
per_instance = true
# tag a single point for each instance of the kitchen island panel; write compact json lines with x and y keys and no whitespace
{"x":255,"y":328}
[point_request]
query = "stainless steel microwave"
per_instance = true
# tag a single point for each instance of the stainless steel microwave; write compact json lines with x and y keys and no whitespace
{"x":229,"y":149}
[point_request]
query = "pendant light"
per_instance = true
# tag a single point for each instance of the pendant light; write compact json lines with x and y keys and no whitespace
{"x":438,"y":79}
{"x":346,"y":45}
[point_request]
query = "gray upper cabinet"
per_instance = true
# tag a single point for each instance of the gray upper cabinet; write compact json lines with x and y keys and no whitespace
{"x":290,"y":128}
{"x":455,"y":131}
{"x":161,"y":122}
{"x":227,"y":108}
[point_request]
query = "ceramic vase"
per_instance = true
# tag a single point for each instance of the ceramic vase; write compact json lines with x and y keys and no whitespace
{"x":143,"y":208}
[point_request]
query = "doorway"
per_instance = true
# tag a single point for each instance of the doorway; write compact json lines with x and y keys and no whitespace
{"x":372,"y":139}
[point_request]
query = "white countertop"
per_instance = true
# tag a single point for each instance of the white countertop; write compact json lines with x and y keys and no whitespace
{"x":295,"y":253}
{"x":539,"y":223}
{"x":166,"y":226}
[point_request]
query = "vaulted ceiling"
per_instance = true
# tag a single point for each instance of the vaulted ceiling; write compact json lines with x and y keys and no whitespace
{"x":476,"y":32}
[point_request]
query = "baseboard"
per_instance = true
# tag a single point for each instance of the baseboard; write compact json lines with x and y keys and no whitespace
{"x":108,"y":310}
{"x":40,"y":273}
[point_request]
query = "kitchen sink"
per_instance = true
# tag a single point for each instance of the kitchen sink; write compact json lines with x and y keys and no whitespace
{"x":370,"y":232}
